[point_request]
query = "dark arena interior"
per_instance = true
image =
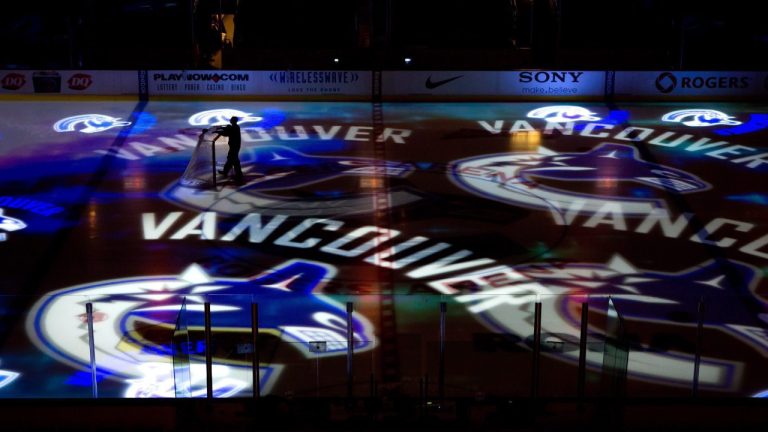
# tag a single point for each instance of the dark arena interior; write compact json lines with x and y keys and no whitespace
{"x":452,"y":215}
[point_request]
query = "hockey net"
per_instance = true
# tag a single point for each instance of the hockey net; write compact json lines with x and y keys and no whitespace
{"x":201,"y":170}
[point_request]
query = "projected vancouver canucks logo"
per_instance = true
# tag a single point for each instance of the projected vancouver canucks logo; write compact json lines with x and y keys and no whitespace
{"x":128,"y":312}
{"x":520,"y":178}
{"x":9,"y":224}
{"x":655,"y":298}
{"x":221,"y":117}
{"x":88,"y":123}
{"x":563,"y":114}
{"x":700,"y":118}
{"x":271,"y":172}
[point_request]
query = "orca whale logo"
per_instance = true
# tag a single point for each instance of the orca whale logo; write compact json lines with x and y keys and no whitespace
{"x":516,"y":178}
{"x":664,"y":300}
{"x":270,"y":170}
{"x":129,"y":312}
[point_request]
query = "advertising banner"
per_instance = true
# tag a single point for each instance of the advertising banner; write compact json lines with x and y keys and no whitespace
{"x":516,"y":85}
{"x":441,"y":83}
{"x":260,"y":83}
{"x":493,"y":84}
{"x":560,"y":84}
{"x":314,"y":83}
{"x":688,"y":84}
{"x":69,"y":82}
{"x":201,"y":83}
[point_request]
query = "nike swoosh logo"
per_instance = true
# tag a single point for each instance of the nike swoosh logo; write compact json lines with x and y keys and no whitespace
{"x":435,"y":84}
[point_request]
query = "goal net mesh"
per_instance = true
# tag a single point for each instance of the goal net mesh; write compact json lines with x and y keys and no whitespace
{"x":206,"y":159}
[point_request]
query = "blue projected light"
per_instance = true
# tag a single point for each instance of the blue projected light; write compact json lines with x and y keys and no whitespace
{"x":144,"y":122}
{"x":755,"y":123}
{"x":700,"y":118}
{"x":642,"y":193}
{"x":271,"y":118}
{"x":615,"y":117}
{"x":83,"y":379}
{"x":753,"y":198}
{"x":88,"y":123}
{"x":330,"y":194}
{"x":319,"y":146}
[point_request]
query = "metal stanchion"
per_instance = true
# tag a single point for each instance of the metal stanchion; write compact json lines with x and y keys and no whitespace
{"x":422,"y":396}
{"x":92,"y":349}
{"x":213,"y":163}
{"x":581,"y":384}
{"x":441,"y":371}
{"x":536,"y":351}
{"x":372,"y":386}
{"x":699,"y":340}
{"x":350,"y":350}
{"x":208,"y":353}
{"x":255,"y":355}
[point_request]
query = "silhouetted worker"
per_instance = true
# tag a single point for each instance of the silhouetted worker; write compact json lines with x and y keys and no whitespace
{"x":232,"y":131}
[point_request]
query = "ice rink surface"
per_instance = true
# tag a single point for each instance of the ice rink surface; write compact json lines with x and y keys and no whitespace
{"x":488,"y":207}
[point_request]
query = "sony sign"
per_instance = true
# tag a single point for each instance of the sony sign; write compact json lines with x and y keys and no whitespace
{"x":548,"y":83}
{"x":549,"y":77}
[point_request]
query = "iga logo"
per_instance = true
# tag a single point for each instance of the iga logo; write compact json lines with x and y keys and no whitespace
{"x":221,"y":117}
{"x":563,"y":113}
{"x":80,"y":81}
{"x":641,"y":295}
{"x":9,"y":224}
{"x":700,"y":118}
{"x":128,"y":312}
{"x":273,"y":170}
{"x":88,"y":123}
{"x":13,"y":81}
{"x":512,"y":178}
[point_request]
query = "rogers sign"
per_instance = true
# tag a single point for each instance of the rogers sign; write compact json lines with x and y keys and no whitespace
{"x":666,"y":82}
{"x":80,"y":81}
{"x":13,"y":81}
